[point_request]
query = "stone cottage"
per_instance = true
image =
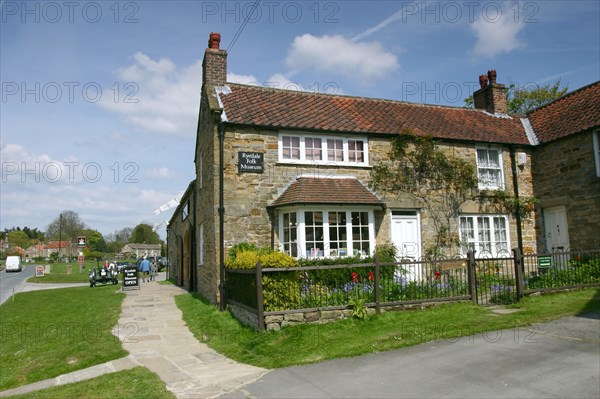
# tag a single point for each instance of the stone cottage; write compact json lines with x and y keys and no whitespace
{"x":291,"y":170}
{"x":566,"y":170}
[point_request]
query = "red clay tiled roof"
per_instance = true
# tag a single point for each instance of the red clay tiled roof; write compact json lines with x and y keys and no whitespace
{"x":55,"y":244}
{"x":277,"y":108}
{"x":311,"y":190}
{"x":570,"y":114}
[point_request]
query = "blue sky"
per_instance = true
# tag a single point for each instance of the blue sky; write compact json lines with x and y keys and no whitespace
{"x":100,"y":98}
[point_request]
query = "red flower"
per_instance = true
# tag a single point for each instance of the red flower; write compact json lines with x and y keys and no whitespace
{"x":437,"y":275}
{"x":354,"y":277}
{"x":371,"y":275}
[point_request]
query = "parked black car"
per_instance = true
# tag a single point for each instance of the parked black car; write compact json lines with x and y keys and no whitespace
{"x":120,"y":265}
{"x":102,"y":275}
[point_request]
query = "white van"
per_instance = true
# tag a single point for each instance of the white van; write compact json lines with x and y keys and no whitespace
{"x":13,"y":264}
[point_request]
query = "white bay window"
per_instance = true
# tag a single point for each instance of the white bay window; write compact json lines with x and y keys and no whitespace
{"x":326,"y":232}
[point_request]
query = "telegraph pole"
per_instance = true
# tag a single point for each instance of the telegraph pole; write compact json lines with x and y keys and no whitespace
{"x":59,"y":236}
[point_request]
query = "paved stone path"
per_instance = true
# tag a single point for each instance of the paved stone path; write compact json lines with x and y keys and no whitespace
{"x":153,"y":332}
{"x":156,"y":337}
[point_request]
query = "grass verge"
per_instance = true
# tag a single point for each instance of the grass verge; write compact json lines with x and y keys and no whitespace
{"x":136,"y":383}
{"x":310,"y":343}
{"x":51,"y":332}
{"x":58,"y":274}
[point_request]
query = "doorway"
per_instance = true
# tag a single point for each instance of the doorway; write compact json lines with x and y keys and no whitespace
{"x":556,"y":228}
{"x":406,"y":236}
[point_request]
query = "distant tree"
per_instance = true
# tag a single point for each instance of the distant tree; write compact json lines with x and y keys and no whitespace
{"x":115,"y":241}
{"x":143,"y":234}
{"x":68,"y":227}
{"x":34,"y":233}
{"x":19,"y":238}
{"x":95,"y":240}
{"x":521,"y":100}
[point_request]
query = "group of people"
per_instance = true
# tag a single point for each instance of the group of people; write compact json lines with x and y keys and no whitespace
{"x":148,"y":269}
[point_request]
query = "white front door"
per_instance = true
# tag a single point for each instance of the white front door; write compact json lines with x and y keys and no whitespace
{"x":406,"y":236}
{"x":557,"y":233}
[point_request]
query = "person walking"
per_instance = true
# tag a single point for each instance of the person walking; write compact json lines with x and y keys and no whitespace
{"x":145,"y":269}
{"x":153,"y":270}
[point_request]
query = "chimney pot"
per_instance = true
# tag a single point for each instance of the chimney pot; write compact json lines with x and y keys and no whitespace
{"x":492,"y":76}
{"x":214,"y":40}
{"x":483,"y":80}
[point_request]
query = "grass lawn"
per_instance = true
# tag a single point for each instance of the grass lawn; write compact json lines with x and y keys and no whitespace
{"x":302,"y":344}
{"x":47,"y":333}
{"x":136,"y":383}
{"x":58,"y":274}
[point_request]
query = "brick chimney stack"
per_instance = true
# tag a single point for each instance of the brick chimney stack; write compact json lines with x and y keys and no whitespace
{"x":214,"y":66}
{"x":491,"y":96}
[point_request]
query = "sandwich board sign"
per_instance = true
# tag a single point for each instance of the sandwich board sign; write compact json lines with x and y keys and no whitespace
{"x":130,"y":277}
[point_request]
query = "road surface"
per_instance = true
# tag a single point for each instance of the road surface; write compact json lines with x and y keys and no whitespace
{"x":13,"y":282}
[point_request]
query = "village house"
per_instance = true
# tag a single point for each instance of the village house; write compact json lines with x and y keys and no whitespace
{"x":566,"y":170}
{"x":139,"y":250}
{"x":292,"y":170}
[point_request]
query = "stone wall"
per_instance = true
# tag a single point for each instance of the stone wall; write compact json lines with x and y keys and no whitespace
{"x":247,"y":195}
{"x":565,"y":175}
{"x":207,"y":203}
{"x":277,"y":322}
{"x":179,"y":229}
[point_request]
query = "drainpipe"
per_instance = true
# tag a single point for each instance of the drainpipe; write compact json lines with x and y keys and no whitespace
{"x":271,"y":212}
{"x":222,"y":300}
{"x":513,"y":166}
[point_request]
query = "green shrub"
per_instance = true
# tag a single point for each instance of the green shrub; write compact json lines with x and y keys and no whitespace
{"x":277,"y":259}
{"x":244,"y":260}
{"x":240,"y":247}
{"x":281,"y":290}
{"x":359,"y":308}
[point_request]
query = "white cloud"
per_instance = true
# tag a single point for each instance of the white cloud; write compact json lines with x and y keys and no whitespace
{"x":158,"y":96}
{"x":276,"y":81}
{"x":161,"y":173}
{"x":280,"y":81}
{"x":336,"y":54}
{"x":242,"y":79}
{"x":497,"y":36}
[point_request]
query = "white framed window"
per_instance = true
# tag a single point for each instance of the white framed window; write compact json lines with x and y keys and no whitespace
{"x":185,"y":210}
{"x":356,"y":151}
{"x":596,"y":143}
{"x":335,"y":150}
{"x":311,"y":149}
{"x":201,"y":171}
{"x":487,"y":235}
{"x":315,"y":232}
{"x":289,"y":233}
{"x":289,"y":147}
{"x":489,"y":168}
{"x":201,"y":245}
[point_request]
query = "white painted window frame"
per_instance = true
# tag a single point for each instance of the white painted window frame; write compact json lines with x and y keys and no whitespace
{"x":301,"y":232}
{"x":201,"y":245}
{"x":482,"y":185}
{"x":324,"y":160}
{"x":476,"y":240}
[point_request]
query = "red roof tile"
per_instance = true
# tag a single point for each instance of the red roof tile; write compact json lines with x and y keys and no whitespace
{"x":277,"y":108}
{"x":311,"y":190}
{"x":570,"y":114}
